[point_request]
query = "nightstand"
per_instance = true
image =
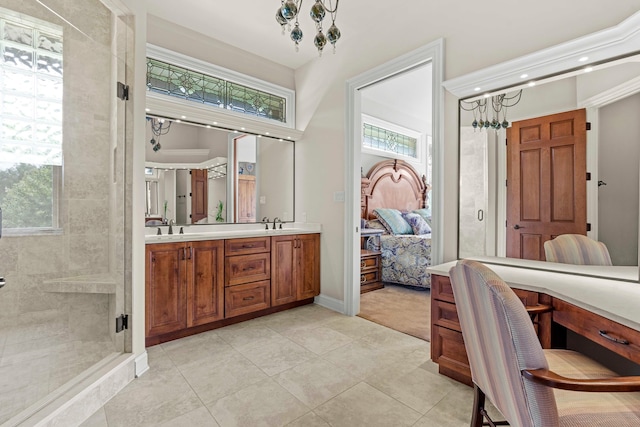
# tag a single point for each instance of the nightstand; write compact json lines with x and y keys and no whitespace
{"x":370,"y":261}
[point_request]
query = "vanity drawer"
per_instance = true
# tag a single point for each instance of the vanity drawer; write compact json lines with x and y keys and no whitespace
{"x":247,"y":298}
{"x":448,"y":351}
{"x":612,"y":335}
{"x":250,"y":245}
{"x":247,"y":268}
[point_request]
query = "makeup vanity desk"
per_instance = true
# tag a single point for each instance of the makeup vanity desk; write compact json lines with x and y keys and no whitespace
{"x":606,"y":311}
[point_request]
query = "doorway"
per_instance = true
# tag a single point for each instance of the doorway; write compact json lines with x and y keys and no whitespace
{"x":429,"y":54}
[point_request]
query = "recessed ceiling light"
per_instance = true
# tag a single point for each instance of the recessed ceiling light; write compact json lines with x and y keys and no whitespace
{"x":588,"y":69}
{"x":178,"y":121}
{"x":184,"y":117}
{"x":266,"y":133}
{"x":235,"y":131}
{"x":208,"y":126}
{"x":288,"y":137}
{"x":532,"y":84}
{"x":524,"y":76}
{"x":242,"y":128}
{"x":477,"y":89}
{"x":280,"y":140}
{"x":259,"y":136}
{"x":486,"y":95}
{"x":215,"y":123}
{"x":147,"y":109}
{"x":584,"y":58}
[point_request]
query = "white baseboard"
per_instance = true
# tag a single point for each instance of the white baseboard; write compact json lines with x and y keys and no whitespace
{"x":330,"y":303}
{"x":142,"y":363}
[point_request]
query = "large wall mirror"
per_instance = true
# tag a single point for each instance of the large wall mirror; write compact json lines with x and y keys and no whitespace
{"x":197,"y":174}
{"x":591,"y":180}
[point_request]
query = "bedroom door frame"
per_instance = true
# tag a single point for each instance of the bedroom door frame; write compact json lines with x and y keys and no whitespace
{"x":431,"y":53}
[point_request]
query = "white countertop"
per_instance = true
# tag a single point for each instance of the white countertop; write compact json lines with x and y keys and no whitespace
{"x":225,"y":231}
{"x":617,"y":300}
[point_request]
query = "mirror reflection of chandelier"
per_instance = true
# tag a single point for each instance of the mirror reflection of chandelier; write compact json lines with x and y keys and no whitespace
{"x":288,"y":12}
{"x":159,"y":127}
{"x":498,"y":104}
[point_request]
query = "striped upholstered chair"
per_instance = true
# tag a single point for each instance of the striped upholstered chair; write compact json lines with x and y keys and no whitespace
{"x":576,"y":249}
{"x":510,"y":368}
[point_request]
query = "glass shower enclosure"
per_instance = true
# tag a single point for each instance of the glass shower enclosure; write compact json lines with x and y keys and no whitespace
{"x":64,"y":172}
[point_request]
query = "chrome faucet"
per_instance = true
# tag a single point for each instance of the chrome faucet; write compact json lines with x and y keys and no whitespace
{"x":265,"y":221}
{"x":276,"y":219}
{"x":170,"y":227}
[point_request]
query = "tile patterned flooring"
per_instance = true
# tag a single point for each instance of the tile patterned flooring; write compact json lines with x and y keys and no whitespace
{"x":304,"y":367}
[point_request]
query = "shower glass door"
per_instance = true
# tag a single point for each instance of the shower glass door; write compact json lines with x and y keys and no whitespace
{"x":63,"y":185}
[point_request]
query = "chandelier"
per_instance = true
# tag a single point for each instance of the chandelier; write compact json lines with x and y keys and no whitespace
{"x":159,"y":127}
{"x":496,"y":105}
{"x":288,"y":12}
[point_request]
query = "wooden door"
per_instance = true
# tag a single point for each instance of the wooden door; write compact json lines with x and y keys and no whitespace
{"x":165,"y":285}
{"x":205,"y":290}
{"x":283,"y":288}
{"x":246,"y":198}
{"x":307,"y":266}
{"x":546,"y":181}
{"x":199,"y":205}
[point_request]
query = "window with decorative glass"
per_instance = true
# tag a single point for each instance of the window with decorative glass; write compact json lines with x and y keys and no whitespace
{"x":384,"y":138}
{"x":30,"y":122}
{"x":181,"y":82}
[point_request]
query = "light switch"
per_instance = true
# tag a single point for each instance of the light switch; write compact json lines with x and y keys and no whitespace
{"x":338,"y":196}
{"x":263,"y":200}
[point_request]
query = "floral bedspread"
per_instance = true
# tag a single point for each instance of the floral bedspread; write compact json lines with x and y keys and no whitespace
{"x":405,"y":259}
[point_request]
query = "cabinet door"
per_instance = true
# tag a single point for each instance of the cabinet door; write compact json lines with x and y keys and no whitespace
{"x":307,"y":266}
{"x":165,"y":283}
{"x":283,"y":287}
{"x":205,"y":290}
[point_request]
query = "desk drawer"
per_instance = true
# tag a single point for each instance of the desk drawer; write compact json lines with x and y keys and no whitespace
{"x":441,"y":288}
{"x":446,"y":315}
{"x":247,"y":268}
{"x":593,"y":327}
{"x":250,"y":245}
{"x":242,"y":299}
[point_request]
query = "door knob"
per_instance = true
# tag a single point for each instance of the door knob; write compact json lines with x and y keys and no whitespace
{"x":517,"y":227}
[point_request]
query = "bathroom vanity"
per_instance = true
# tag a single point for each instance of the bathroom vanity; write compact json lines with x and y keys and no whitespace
{"x":204,"y":280}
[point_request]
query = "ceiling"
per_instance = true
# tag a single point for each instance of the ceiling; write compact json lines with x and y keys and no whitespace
{"x":250,"y":25}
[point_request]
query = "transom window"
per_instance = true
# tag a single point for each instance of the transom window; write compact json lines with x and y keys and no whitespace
{"x":173,"y":80}
{"x":30,"y":121}
{"x":384,"y":138}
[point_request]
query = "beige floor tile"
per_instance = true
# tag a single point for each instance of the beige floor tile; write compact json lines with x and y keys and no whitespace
{"x":309,"y":420}
{"x":159,"y":395}
{"x":452,"y":411}
{"x":353,"y":326}
{"x":415,"y":387}
{"x":239,"y":336}
{"x":211,"y":350}
{"x":212,"y":382}
{"x":361,"y":359}
{"x":200,"y":417}
{"x":319,"y":340}
{"x":276,"y":354}
{"x":263,"y":404}
{"x":363,"y":405}
{"x":316,"y":381}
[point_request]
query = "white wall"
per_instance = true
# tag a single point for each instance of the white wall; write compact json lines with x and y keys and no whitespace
{"x":472,"y":41}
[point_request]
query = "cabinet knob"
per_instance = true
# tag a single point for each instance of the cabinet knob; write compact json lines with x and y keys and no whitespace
{"x":363,"y":278}
{"x":363,"y":264}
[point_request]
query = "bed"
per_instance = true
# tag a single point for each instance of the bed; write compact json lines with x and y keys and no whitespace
{"x":395,"y":185}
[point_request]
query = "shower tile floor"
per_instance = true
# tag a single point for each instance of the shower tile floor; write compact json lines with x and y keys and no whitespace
{"x":38,"y":355}
{"x":304,"y":367}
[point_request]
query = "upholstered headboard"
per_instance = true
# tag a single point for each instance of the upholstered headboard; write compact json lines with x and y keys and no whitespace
{"x":393,"y":184}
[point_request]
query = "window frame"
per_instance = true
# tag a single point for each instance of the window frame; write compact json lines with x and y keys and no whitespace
{"x":393,"y":127}
{"x":193,"y":64}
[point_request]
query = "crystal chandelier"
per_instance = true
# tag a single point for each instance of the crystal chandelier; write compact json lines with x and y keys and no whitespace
{"x":289,"y":11}
{"x":483,"y":118}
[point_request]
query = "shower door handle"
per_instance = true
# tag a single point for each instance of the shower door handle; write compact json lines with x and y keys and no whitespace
{"x":2,"y":282}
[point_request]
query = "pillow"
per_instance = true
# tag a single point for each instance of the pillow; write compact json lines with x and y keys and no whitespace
{"x":424,"y":213}
{"x":417,"y":223}
{"x":393,"y":221}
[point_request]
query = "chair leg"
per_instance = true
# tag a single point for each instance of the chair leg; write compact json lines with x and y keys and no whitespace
{"x":478,"y":407}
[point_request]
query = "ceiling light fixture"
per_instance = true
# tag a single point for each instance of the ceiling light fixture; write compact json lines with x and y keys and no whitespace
{"x":289,"y":11}
{"x":159,"y":127}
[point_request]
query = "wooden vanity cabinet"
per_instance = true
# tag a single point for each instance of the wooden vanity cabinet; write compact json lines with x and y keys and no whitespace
{"x":295,"y":264}
{"x":184,"y":285}
{"x":196,"y":286}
